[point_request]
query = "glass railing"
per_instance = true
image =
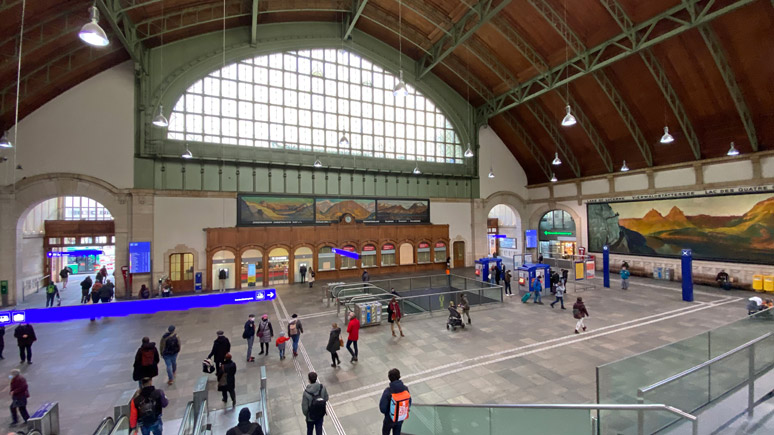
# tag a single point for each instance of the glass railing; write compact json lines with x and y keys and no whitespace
{"x":264,"y":403}
{"x":122,"y":426}
{"x":202,"y":422}
{"x":188,"y":422}
{"x":618,"y":382}
{"x":105,"y":426}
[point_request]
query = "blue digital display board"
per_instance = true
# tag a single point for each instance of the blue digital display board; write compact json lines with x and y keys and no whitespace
{"x":139,"y":257}
{"x":126,"y":308}
{"x":531,"y":236}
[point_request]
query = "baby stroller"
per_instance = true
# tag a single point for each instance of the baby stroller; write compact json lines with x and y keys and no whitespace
{"x":455,"y":319}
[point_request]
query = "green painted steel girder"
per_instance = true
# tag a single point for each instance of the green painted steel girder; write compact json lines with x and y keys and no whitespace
{"x":721,"y":60}
{"x":463,"y":29}
{"x":254,"y":11}
{"x":591,"y":132}
{"x":533,"y":148}
{"x":659,"y":74}
{"x":430,"y":13}
{"x":614,"y":49}
{"x":42,"y":33}
{"x":354,"y":15}
{"x":549,"y":124}
{"x":572,"y":39}
{"x":125,"y":31}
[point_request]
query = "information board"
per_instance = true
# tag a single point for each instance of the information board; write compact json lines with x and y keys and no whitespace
{"x":139,"y":257}
{"x":531,"y":236}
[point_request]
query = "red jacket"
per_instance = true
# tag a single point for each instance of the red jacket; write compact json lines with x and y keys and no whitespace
{"x":281,"y":339}
{"x":395,"y":309}
{"x":353,"y":328}
{"x":19,"y":389}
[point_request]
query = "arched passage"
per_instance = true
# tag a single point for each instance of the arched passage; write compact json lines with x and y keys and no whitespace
{"x":575,"y":229}
{"x":504,"y":222}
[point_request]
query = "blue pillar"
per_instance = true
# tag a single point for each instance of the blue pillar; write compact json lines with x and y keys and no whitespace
{"x":687,"y":269}
{"x":606,"y":266}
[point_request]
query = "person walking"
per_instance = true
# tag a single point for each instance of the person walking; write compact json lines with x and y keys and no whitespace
{"x":537,"y":288}
{"x":311,"y":277}
{"x":265,"y":334}
{"x":103,"y":273}
{"x":560,"y":290}
{"x":295,"y":329}
{"x":465,"y":305}
{"x":281,"y":343}
{"x":147,"y":407}
{"x":2,"y":341}
{"x":222,"y":276}
{"x":19,"y":394}
{"x":302,"y":272}
{"x":220,"y":347}
{"x":579,"y":312}
{"x":353,"y":331}
{"x":95,"y":289}
{"x":25,"y":336}
{"x":85,"y":287}
{"x":51,"y":292}
{"x":507,"y":280}
{"x":106,"y":292}
{"x":65,"y":275}
{"x":146,"y":361}
{"x":227,"y":380}
{"x":313,"y":402}
{"x":365,"y":276}
{"x":394,"y":404}
{"x":170,"y":347}
{"x":334,"y":344}
{"x":245,"y":427}
{"x":249,"y":335}
{"x":625,"y":278}
{"x":394,"y":315}
{"x":497,"y":272}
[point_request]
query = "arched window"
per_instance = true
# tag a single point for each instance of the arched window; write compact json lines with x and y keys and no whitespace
{"x":252,"y":268}
{"x":348,"y":262}
{"x":423,"y":252}
{"x":326,"y":259}
{"x":406,"y":253}
{"x":311,"y":100}
{"x":368,"y":256}
{"x":440,"y":252}
{"x":388,"y":254}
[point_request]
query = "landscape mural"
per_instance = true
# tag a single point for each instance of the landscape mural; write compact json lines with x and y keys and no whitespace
{"x":268,"y":210}
{"x":331,"y":209}
{"x":403,"y":211}
{"x":738,"y":228}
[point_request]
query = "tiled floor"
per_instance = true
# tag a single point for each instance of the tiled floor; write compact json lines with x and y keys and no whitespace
{"x":513,"y":353}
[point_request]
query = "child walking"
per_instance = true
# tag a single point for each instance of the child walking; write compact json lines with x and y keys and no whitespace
{"x":559,"y":294}
{"x":625,"y":278}
{"x":281,"y":344}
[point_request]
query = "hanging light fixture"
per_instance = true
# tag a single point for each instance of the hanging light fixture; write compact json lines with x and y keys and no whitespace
{"x":624,"y":168}
{"x":5,"y":142}
{"x":317,"y":163}
{"x":400,"y":89}
{"x":344,"y":142}
{"x":557,"y":161}
{"x":160,"y":120}
{"x":491,"y":172}
{"x":416,"y":169}
{"x":667,"y":138}
{"x":187,"y":154}
{"x":91,"y":32}
{"x":468,"y":152}
{"x":553,"y":178}
{"x":569,"y":119}
{"x":733,"y":151}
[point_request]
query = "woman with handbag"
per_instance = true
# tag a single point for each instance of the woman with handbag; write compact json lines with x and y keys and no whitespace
{"x":227,"y":380}
{"x":394,"y":315}
{"x":334,"y":344}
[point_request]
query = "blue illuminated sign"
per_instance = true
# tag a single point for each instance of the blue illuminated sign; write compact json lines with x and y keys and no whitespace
{"x":531,"y":236}
{"x":497,"y":236}
{"x":75,"y":253}
{"x":354,"y":255}
{"x":139,"y":257}
{"x":126,"y":308}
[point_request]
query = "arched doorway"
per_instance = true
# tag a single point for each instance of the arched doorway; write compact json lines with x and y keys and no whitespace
{"x":251,"y":272}
{"x":223,"y":260}
{"x":302,"y":257}
{"x":503,"y":233}
{"x":459,"y":254}
{"x":278,"y":266}
{"x":556,"y":235}
{"x":181,"y":271}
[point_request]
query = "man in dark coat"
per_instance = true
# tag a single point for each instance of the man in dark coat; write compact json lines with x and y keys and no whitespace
{"x":227,"y":380}
{"x":2,"y":341}
{"x":396,"y":386}
{"x":148,"y":407}
{"x":85,"y":287}
{"x":106,"y":292}
{"x":245,"y":427}
{"x":302,"y":271}
{"x":146,"y":361}
{"x":25,"y":336}
{"x":19,"y":394}
{"x":220,"y":347}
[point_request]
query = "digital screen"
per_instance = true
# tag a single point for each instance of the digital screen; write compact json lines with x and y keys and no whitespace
{"x":531,"y":236}
{"x":508,"y":243}
{"x":139,"y":257}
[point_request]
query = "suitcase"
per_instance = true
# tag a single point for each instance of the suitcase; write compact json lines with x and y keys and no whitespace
{"x":526,"y":297}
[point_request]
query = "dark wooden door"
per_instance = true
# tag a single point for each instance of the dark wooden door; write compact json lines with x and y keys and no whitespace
{"x":181,"y":272}
{"x":459,"y":254}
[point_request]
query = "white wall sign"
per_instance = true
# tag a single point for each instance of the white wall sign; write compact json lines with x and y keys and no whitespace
{"x":686,"y":194}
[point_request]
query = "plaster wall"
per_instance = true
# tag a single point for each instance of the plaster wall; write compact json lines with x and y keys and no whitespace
{"x":509,"y":175}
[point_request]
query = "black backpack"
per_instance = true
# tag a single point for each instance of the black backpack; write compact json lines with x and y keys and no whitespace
{"x":172,"y":345}
{"x":146,"y":412}
{"x":316,"y":407}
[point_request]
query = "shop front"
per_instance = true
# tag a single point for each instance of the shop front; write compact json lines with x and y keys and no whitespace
{"x":556,"y":235}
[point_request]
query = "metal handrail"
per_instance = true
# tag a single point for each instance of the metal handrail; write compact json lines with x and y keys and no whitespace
{"x":124,"y":419}
{"x":264,"y":402}
{"x":184,"y":426}
{"x":202,"y":420}
{"x":105,"y":421}
{"x":704,"y":364}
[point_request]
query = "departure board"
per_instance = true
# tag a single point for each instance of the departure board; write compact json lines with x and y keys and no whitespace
{"x":139,"y":257}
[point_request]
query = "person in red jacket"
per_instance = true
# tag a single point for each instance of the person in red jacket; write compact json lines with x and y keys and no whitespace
{"x":353,"y":329}
{"x":280,"y":342}
{"x":394,"y":315}
{"x":19,"y":394}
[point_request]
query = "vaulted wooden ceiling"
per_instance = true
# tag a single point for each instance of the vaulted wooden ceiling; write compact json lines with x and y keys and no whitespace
{"x":627,"y":67}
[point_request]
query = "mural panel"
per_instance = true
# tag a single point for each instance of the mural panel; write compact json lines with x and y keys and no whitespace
{"x":331,"y":209}
{"x":403,"y":211}
{"x":274,"y":210}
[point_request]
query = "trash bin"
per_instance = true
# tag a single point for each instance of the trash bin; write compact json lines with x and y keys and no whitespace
{"x":669,"y":274}
{"x":658,"y":272}
{"x":757,"y":283}
{"x":768,"y":283}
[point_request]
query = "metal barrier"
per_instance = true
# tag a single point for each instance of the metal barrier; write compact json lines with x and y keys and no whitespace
{"x":202,"y":419}
{"x":200,"y":395}
{"x":263,"y":416}
{"x":46,"y":419}
{"x":187,"y":424}
{"x":122,"y":426}
{"x":123,"y":405}
{"x":105,"y":426}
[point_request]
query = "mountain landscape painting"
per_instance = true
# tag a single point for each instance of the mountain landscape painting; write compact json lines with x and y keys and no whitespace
{"x":737,"y":228}
{"x":403,"y":211}
{"x":268,"y":210}
{"x":332,"y":209}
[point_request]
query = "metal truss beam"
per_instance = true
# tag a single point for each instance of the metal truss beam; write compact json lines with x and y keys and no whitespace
{"x":532,"y":147}
{"x":354,"y":15}
{"x":659,"y":74}
{"x":42,"y":33}
{"x":549,"y":124}
{"x":485,"y":55}
{"x":643,"y":35}
{"x":571,"y":38}
{"x":721,"y":60}
{"x":430,"y":13}
{"x":463,"y":29}
{"x":125,"y":30}
{"x":591,"y":132}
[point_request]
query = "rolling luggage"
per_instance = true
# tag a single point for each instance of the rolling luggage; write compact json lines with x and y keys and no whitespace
{"x":526,"y":297}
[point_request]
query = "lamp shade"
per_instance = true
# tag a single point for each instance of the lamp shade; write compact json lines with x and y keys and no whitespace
{"x":160,"y":120}
{"x":569,"y":119}
{"x":91,"y":32}
{"x":667,"y":138}
{"x":5,"y":142}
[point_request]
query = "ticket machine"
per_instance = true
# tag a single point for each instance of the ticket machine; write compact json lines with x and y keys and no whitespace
{"x":527,"y":273}
{"x":484,"y":264}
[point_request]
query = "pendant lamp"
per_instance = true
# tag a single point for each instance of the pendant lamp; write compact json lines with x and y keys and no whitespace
{"x":667,"y":138}
{"x":187,"y":154}
{"x":733,"y":151}
{"x":91,"y":32}
{"x":557,"y":161}
{"x":5,"y":142}
{"x":553,"y":178}
{"x":569,"y":119}
{"x":624,"y":168}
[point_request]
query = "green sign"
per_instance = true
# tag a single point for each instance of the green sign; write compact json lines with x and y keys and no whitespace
{"x":4,"y":287}
{"x":557,"y":233}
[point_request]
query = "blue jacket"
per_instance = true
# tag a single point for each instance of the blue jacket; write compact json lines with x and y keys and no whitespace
{"x":384,"y":403}
{"x":537,"y":286}
{"x":625,"y":274}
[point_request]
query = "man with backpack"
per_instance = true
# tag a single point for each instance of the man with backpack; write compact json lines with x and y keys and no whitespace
{"x":313,"y":403}
{"x":245,"y":427}
{"x":295,"y":329}
{"x":146,"y":362}
{"x":51,"y":291}
{"x":85,"y":287}
{"x":65,"y":275}
{"x":222,"y":277}
{"x":394,"y":404}
{"x":170,"y":347}
{"x":147,"y":407}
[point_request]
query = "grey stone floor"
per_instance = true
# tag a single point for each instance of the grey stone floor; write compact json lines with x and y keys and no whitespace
{"x":513,"y":353}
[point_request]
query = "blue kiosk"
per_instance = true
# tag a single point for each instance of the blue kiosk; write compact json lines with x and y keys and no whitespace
{"x":526,"y":274}
{"x":486,"y":264}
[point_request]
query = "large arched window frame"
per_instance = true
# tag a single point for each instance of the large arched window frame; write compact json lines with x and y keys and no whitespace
{"x":307,"y":100}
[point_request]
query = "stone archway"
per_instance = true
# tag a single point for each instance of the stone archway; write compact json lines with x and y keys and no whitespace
{"x":16,"y":201}
{"x":515,"y":202}
{"x":537,"y":214}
